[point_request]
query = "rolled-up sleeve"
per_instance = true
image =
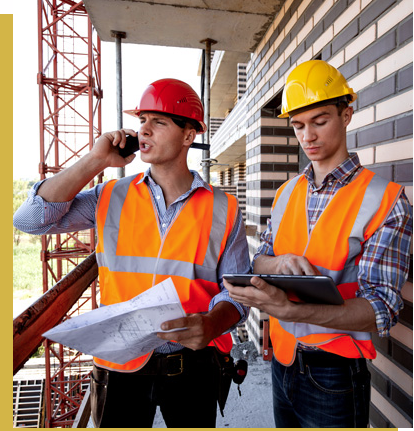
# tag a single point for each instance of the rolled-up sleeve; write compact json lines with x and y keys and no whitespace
{"x":235,"y":259}
{"x":39,"y":217}
{"x":384,"y":266}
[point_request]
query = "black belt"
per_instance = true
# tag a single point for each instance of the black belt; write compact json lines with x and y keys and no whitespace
{"x":319,"y":358}
{"x":173,"y":364}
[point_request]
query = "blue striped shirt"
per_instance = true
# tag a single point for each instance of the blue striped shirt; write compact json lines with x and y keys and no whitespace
{"x":36,"y":216}
{"x":385,"y":262}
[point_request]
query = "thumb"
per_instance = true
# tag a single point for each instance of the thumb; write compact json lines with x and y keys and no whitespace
{"x":259,"y":283}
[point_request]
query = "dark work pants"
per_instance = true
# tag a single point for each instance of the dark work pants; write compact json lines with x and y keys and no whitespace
{"x":312,"y":396}
{"x":129,"y":400}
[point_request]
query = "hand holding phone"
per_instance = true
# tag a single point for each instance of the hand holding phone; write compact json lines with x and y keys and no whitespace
{"x":131,"y":146}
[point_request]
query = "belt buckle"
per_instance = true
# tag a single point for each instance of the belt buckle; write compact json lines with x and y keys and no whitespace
{"x":181,"y":359}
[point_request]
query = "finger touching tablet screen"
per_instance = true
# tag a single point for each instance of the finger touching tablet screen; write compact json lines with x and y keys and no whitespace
{"x":319,"y":289}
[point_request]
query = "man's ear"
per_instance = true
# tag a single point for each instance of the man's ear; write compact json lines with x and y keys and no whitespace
{"x":347,"y":115}
{"x":189,"y":137}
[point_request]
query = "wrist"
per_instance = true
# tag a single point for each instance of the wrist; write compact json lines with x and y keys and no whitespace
{"x":292,"y":312}
{"x":223,"y":316}
{"x":93,"y":163}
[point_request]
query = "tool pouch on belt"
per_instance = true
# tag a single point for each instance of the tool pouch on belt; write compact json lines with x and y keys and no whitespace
{"x":226,"y":369}
{"x":99,"y":385}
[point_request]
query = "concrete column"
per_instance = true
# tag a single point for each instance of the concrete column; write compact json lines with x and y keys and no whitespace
{"x":118,"y":35}
{"x":207,"y":77}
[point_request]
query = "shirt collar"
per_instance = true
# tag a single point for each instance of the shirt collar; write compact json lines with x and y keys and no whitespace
{"x":197,"y":181}
{"x":343,"y":173}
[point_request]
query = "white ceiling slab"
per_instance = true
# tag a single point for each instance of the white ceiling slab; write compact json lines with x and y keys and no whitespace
{"x":236,"y":25}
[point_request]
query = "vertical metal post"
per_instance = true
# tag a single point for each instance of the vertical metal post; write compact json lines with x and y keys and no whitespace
{"x":207,"y":77}
{"x":118,"y":35}
{"x":64,"y":57}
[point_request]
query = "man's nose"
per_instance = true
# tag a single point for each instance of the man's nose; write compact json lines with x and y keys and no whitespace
{"x":308,"y":134}
{"x":145,"y":129}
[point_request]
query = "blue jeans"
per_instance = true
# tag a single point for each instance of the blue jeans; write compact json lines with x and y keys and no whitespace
{"x":329,"y":392}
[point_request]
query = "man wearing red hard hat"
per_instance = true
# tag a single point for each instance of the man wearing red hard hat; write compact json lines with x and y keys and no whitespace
{"x":168,"y":223}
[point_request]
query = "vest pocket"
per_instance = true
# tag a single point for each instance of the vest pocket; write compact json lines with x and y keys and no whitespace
{"x":99,"y":388}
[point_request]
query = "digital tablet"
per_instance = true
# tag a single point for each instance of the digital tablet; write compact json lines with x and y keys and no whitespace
{"x":318,"y":289}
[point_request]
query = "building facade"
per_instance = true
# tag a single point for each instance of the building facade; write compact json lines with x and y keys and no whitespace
{"x":371,"y":43}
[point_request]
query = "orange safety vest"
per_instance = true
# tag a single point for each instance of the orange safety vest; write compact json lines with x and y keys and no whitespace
{"x":133,"y":256}
{"x":334,"y":246}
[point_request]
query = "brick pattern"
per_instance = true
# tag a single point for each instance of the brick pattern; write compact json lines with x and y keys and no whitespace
{"x":220,"y":178}
{"x":215,"y":123}
{"x":232,"y":129}
{"x":271,"y":158}
{"x":241,"y":79}
{"x":241,"y":196}
{"x":239,"y":172}
{"x":371,"y":44}
{"x":228,"y":177}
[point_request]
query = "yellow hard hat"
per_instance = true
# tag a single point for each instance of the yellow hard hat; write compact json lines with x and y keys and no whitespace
{"x":314,"y":81}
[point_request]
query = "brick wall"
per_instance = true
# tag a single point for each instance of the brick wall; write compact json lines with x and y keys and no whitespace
{"x":228,"y":177}
{"x":241,"y":80}
{"x":220,"y":178}
{"x":371,"y":44}
{"x":215,"y":124}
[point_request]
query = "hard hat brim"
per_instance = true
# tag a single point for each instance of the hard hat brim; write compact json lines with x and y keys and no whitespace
{"x":136,"y":113}
{"x":332,"y":101}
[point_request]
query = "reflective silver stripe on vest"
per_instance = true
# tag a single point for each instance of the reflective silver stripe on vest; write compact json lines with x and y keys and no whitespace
{"x":113,"y":218}
{"x":148,"y":265}
{"x":369,"y":207}
{"x":347,"y":275}
{"x":218,"y":228}
{"x":281,"y":204}
{"x":304,"y":329}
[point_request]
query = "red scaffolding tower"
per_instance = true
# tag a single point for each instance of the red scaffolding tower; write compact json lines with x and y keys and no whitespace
{"x":70,"y":96}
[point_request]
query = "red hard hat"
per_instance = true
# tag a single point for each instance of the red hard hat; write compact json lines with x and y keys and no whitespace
{"x":174,"y":97}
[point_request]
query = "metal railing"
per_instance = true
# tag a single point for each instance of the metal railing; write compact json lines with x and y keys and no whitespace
{"x":47,"y":312}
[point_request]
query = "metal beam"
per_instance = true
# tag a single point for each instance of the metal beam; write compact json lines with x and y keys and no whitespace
{"x":207,"y":79}
{"x":49,"y":310}
{"x":119,"y":35}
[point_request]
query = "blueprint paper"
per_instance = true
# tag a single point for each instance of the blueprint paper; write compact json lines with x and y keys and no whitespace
{"x":122,"y":332}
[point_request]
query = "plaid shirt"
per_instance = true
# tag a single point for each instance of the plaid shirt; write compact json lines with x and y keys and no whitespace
{"x":385,"y":262}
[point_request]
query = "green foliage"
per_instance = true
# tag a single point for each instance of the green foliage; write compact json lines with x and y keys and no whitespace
{"x":39,"y":352}
{"x":27,"y":268}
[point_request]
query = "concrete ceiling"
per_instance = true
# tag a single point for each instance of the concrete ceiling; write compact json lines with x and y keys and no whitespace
{"x":236,"y":25}
{"x":224,"y":81}
{"x":234,"y":154}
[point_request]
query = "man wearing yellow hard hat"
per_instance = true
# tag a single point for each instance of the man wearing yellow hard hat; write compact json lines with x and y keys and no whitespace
{"x":339,"y":219}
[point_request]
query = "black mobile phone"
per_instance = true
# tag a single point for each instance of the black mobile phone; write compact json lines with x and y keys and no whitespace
{"x":131,"y":146}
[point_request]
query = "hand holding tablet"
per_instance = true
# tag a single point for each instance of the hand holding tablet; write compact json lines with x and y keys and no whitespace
{"x":318,"y":289}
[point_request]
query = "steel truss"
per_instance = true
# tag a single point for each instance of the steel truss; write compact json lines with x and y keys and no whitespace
{"x":70,"y":96}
